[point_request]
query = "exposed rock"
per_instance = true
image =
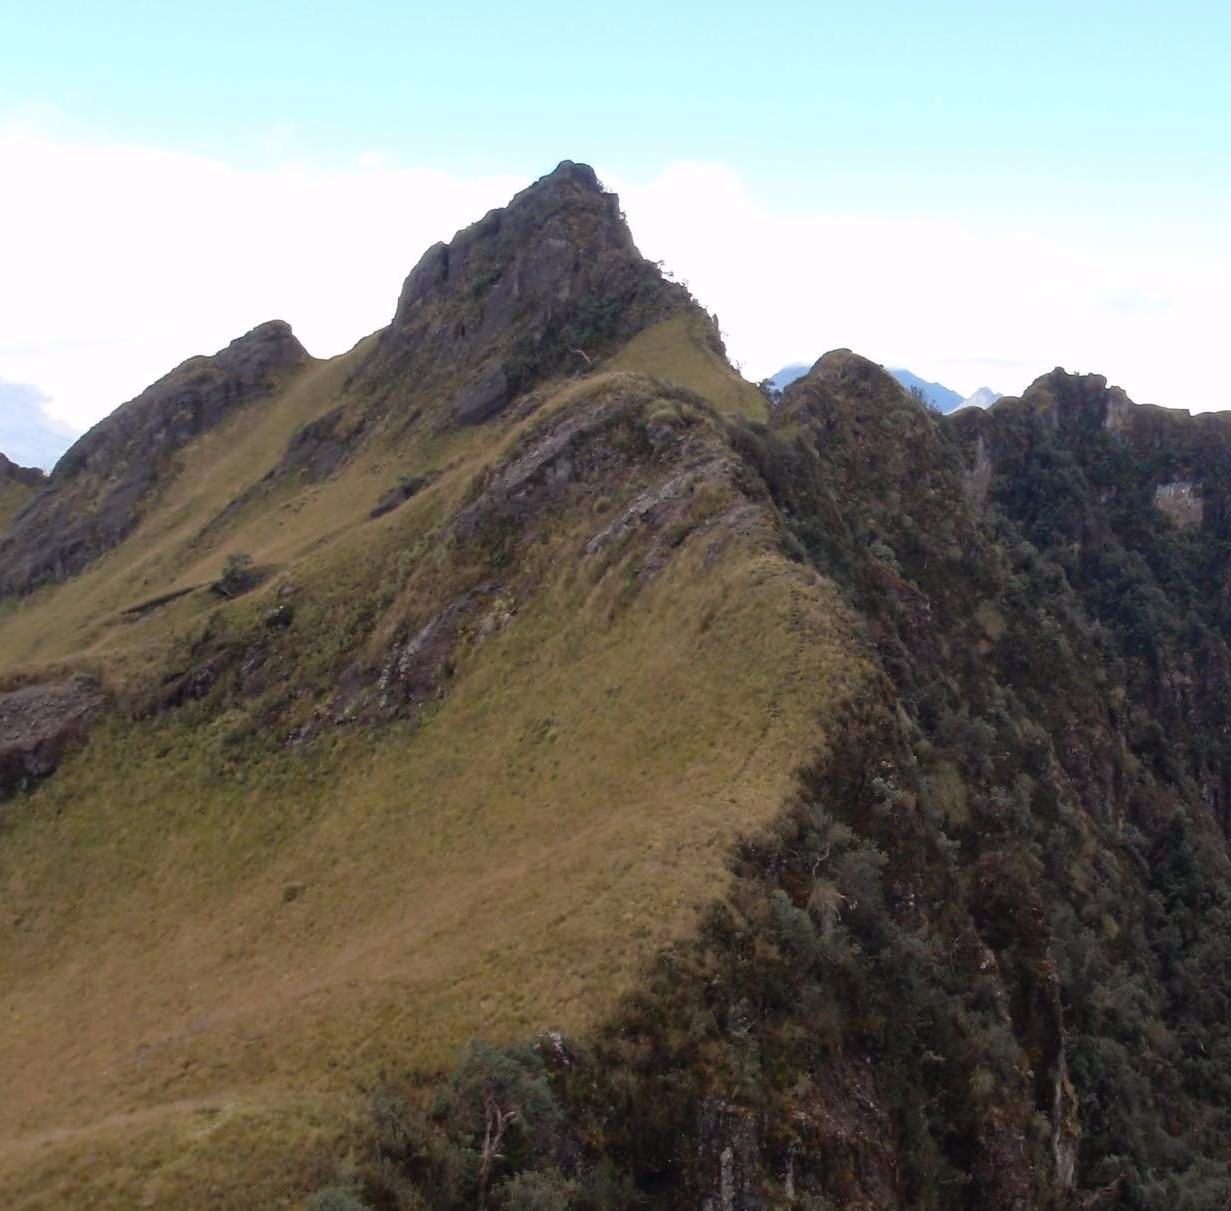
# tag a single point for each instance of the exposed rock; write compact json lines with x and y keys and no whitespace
{"x":195,"y":683}
{"x":39,"y":723}
{"x":31,"y":477}
{"x":483,"y":398}
{"x":727,"y":1154}
{"x":978,"y":478}
{"x":1181,"y":501}
{"x":545,"y":284}
{"x":318,"y":449}
{"x":96,"y":495}
{"x":414,"y":669}
{"x":399,"y":494}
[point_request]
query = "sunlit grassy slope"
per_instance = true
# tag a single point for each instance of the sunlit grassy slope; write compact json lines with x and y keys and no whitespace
{"x":208,"y":934}
{"x":677,"y":352}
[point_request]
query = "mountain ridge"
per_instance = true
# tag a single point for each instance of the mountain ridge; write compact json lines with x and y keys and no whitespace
{"x":835,"y":797}
{"x":937,"y":395}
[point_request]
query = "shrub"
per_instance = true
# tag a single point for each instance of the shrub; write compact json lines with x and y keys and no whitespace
{"x":336,"y":1198}
{"x":539,"y":1190}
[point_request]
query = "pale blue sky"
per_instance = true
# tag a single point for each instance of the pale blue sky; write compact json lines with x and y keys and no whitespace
{"x":1100,"y":129}
{"x":913,"y":97}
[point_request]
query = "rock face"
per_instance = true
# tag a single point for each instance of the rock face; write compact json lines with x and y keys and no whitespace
{"x":40,"y":722}
{"x":96,"y":495}
{"x":10,"y":472}
{"x":546,"y":284}
{"x":17,"y":486}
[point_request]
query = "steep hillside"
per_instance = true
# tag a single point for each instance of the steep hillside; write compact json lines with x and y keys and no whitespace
{"x":981,"y":960}
{"x":462,"y":745}
{"x":819,"y":810}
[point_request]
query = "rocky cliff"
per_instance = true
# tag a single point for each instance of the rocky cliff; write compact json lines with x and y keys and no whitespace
{"x":550,"y":283}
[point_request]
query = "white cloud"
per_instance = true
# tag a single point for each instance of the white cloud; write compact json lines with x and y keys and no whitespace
{"x":963,"y":305}
{"x":119,"y":261}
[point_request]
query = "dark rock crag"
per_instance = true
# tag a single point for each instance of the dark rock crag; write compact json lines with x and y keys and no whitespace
{"x":39,"y":723}
{"x":30,"y":477}
{"x":100,"y":488}
{"x":544,"y":285}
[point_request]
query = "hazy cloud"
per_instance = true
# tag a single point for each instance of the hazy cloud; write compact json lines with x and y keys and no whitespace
{"x":28,"y":435}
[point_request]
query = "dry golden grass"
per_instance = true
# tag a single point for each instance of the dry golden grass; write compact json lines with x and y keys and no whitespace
{"x":182,"y":930}
{"x":676,"y":352}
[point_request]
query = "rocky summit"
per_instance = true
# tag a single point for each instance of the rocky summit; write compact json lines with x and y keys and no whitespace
{"x":514,"y":765}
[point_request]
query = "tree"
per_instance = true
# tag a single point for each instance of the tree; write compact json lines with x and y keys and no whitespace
{"x":769,"y":389}
{"x":497,"y":1091}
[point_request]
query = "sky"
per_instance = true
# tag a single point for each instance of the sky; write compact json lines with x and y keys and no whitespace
{"x":977,"y":192}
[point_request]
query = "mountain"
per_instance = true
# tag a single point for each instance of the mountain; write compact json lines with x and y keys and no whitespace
{"x":984,"y":397}
{"x":27,"y":433}
{"x":940,"y":397}
{"x":787,"y":375}
{"x":509,"y":765}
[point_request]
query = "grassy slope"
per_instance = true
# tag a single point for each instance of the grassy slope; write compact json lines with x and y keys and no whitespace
{"x":677,"y":352}
{"x":244,"y":935}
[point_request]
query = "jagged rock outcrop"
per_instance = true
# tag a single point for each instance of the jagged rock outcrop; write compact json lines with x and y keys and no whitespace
{"x":1186,"y":456}
{"x":99,"y":488}
{"x":10,"y":472}
{"x":546,"y":284}
{"x":39,"y":723}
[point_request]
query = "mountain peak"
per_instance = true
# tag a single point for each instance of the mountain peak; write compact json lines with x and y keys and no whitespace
{"x":1084,"y":400}
{"x":33,"y":477}
{"x":540,"y":286}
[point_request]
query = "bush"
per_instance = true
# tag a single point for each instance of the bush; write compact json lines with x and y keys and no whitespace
{"x":336,"y":1198}
{"x":539,"y":1190}
{"x":237,"y":575}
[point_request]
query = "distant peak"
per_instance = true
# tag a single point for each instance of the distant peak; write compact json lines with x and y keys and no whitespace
{"x":846,"y":375}
{"x":267,"y":347}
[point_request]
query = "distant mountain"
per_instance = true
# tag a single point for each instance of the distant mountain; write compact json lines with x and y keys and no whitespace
{"x":27,"y":434}
{"x":942,"y":398}
{"x":788,"y":374}
{"x":985,"y":397}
